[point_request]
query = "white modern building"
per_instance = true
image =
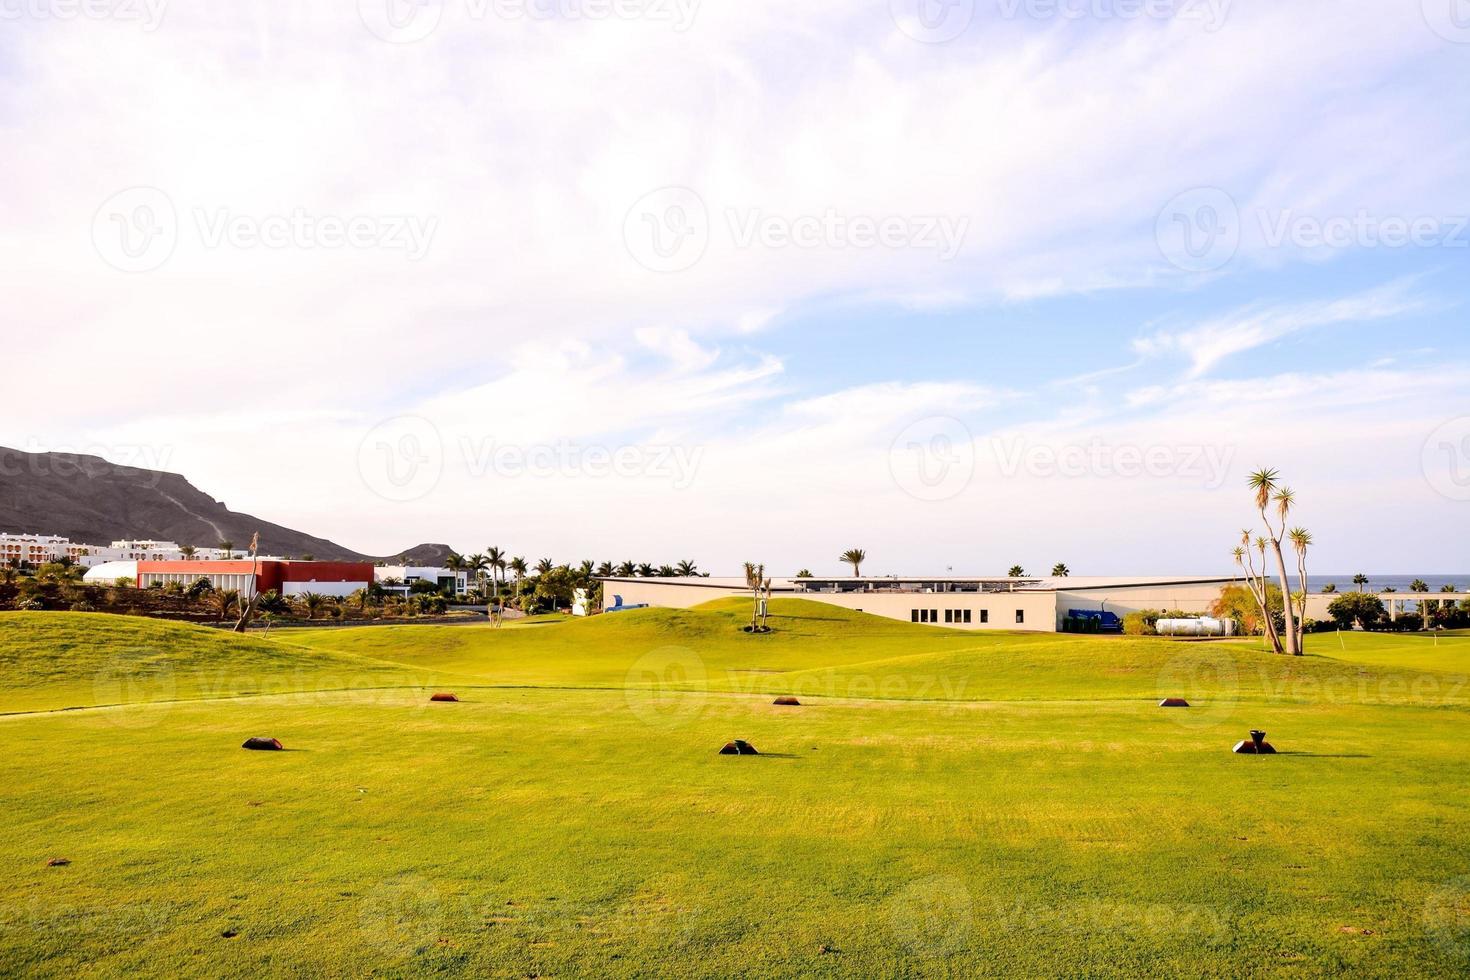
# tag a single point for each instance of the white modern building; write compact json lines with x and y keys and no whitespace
{"x":36,"y":549}
{"x":991,"y":603}
{"x":403,"y":577}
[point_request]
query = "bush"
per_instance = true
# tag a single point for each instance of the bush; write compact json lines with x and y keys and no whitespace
{"x":1145,"y":622}
{"x":83,"y":606}
{"x":30,"y":605}
{"x":1353,"y":608}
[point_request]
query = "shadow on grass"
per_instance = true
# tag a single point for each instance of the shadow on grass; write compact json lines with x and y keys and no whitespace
{"x":1326,"y":755}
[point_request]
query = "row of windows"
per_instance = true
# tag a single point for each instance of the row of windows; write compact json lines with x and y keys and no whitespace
{"x":960,"y":616}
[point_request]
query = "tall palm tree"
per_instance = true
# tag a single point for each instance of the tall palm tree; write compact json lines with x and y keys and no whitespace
{"x":855,"y":557}
{"x":476,"y":565}
{"x":687,"y":568}
{"x":187,"y":551}
{"x":1268,"y":489}
{"x":543,"y":566}
{"x":1016,"y":571}
{"x":518,"y":568}
{"x":605,"y":569}
{"x":645,"y":570}
{"x":495,"y":562}
{"x":1301,"y":540}
{"x":1360,"y":580}
{"x":1418,"y":585}
{"x":228,"y":547}
{"x":1060,"y":570}
{"x":626,"y":569}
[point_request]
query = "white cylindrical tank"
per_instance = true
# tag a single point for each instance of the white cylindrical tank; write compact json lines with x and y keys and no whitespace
{"x":1204,"y":626}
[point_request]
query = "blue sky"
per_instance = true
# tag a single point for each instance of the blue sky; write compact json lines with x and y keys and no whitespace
{"x":965,"y":284}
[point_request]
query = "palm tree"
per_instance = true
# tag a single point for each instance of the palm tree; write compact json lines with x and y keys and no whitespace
{"x":312,"y":602}
{"x":476,"y":565}
{"x":667,"y":571}
{"x":585,"y":569}
{"x":517,"y":566}
{"x":645,"y":570}
{"x":605,"y":569}
{"x":187,"y":551}
{"x":754,"y":577}
{"x":1268,"y":489}
{"x":804,"y":573}
{"x":1016,"y":572}
{"x":543,"y":566}
{"x":1301,"y":540}
{"x":228,"y":547}
{"x":687,"y":568}
{"x":1360,"y":580}
{"x":495,"y":562}
{"x":626,"y":569}
{"x":1418,"y":585}
{"x":1060,"y":570}
{"x":855,"y":557}
{"x":226,"y":601}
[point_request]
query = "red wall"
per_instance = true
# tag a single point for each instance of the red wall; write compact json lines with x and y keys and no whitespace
{"x":272,"y":574}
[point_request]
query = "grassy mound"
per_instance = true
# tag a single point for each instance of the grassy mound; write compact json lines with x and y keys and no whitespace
{"x":61,"y":660}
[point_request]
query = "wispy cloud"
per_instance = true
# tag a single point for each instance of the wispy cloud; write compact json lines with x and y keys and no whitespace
{"x":1208,"y":344}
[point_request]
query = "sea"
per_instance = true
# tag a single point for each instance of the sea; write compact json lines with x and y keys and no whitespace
{"x":1377,"y":583}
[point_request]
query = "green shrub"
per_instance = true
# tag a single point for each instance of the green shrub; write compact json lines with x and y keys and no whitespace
{"x":1142,"y":623}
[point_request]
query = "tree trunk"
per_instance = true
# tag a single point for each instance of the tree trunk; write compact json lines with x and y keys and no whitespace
{"x":1293,"y":642}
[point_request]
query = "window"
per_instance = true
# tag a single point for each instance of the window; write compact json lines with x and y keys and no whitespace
{"x":949,"y":615}
{"x":967,"y":615}
{"x":1020,"y":615}
{"x":934,"y":615}
{"x":913,"y":615}
{"x":984,"y":615}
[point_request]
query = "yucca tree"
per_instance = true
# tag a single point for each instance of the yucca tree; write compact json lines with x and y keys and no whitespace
{"x":1268,"y":490}
{"x":1301,"y":541}
{"x":1060,"y":570}
{"x":854,"y":557}
{"x":755,"y":580}
{"x":1260,"y":588}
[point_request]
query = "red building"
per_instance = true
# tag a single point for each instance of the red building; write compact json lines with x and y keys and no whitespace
{"x":335,"y":578}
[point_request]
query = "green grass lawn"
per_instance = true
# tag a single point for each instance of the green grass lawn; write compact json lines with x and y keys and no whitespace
{"x":943,"y":803}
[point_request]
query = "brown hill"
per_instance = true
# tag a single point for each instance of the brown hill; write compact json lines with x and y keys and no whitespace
{"x":92,"y":501}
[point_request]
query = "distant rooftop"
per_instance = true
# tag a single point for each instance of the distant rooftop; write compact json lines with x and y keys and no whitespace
{"x":932,"y":583}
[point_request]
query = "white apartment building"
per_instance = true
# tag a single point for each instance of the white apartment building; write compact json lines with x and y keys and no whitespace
{"x":37,"y":549}
{"x":405,"y":575}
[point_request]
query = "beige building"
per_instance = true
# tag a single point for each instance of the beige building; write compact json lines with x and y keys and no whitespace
{"x":998,"y":603}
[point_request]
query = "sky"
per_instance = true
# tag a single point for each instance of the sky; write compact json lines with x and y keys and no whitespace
{"x":963,"y":283}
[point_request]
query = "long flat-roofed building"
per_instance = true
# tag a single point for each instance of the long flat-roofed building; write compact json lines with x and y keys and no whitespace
{"x":332,"y":578}
{"x":1038,"y":604}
